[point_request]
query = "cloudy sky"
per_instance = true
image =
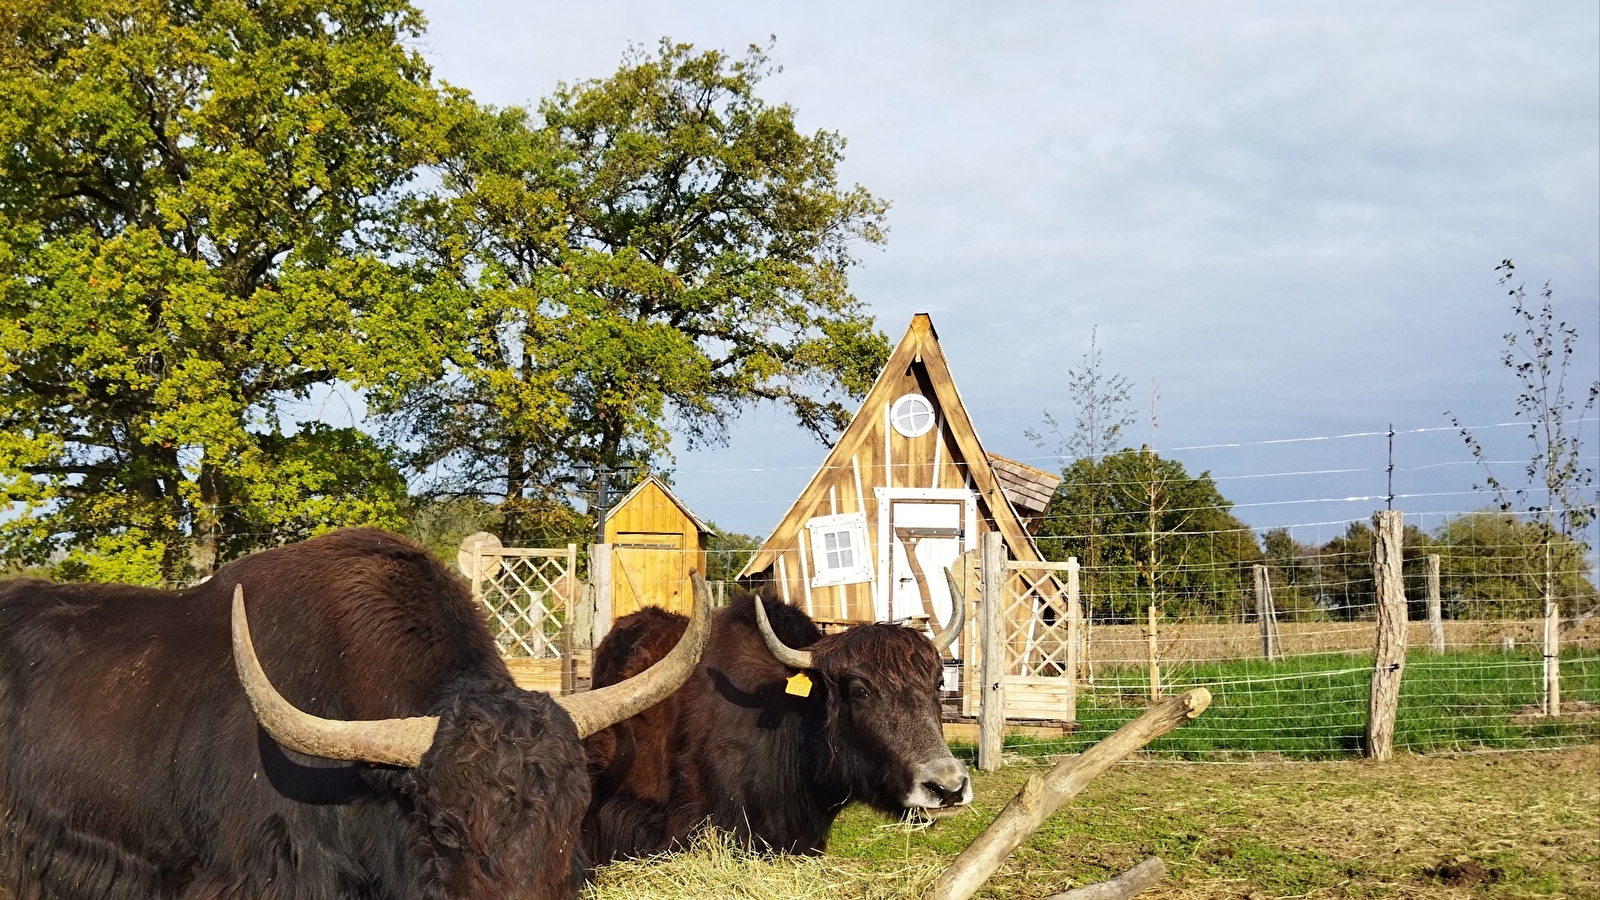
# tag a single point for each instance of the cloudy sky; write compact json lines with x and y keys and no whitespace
{"x":1286,"y":216}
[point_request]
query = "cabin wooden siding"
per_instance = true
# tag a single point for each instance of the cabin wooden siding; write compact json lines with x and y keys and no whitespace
{"x":872,"y":454}
{"x":654,"y":542}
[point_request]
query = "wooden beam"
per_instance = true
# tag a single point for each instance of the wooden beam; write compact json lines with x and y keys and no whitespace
{"x":1044,"y":794}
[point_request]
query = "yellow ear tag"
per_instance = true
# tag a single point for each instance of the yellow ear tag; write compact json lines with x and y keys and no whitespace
{"x":798,"y":685}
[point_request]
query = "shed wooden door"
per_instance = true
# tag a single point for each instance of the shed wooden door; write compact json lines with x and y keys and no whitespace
{"x":650,"y":569}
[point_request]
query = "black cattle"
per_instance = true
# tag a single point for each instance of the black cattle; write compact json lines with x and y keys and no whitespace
{"x":132,"y":764}
{"x":748,"y":748}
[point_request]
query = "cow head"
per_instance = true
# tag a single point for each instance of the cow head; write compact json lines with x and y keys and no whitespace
{"x":880,"y":684}
{"x":497,"y":775}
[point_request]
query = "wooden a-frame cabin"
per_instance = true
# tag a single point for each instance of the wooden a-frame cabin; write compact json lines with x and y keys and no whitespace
{"x":909,"y":473}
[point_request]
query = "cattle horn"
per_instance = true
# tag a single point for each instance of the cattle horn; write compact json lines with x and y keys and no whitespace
{"x":399,"y":742}
{"x":799,"y":659}
{"x":601,"y":708}
{"x":958,"y":615}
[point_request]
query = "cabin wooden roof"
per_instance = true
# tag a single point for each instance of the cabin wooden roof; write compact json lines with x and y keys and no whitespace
{"x":919,"y":347}
{"x":1029,"y":489}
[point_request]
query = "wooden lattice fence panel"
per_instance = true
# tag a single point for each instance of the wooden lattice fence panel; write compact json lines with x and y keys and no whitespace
{"x":1035,"y":618}
{"x":528,"y":595}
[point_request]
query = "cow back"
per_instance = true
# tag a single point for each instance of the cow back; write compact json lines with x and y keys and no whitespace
{"x":129,"y":755}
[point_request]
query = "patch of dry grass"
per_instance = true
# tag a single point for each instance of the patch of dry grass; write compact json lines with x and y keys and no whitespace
{"x":716,"y":868}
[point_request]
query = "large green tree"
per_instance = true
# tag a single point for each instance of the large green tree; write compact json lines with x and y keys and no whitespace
{"x":1163,"y":536}
{"x":186,"y":191}
{"x":661,"y":248}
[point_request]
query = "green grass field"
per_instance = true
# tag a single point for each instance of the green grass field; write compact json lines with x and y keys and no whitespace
{"x":1259,"y":829}
{"x":1316,"y":706}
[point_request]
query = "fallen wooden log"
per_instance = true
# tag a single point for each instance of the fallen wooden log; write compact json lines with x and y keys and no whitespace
{"x":1044,"y":794}
{"x":1133,"y":882}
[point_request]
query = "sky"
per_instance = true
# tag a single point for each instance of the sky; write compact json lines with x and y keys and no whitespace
{"x":1284,"y":219}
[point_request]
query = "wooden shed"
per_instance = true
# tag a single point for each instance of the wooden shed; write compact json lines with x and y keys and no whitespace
{"x":907,"y":488}
{"x":655,"y":540}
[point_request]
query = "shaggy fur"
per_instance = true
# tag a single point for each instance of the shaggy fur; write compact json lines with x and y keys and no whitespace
{"x":733,"y":748}
{"x":131,"y":765}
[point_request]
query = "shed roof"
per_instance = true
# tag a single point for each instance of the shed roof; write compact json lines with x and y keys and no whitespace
{"x":653,"y":478}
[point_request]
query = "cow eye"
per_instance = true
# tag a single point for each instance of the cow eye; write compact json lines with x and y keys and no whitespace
{"x":858,"y":691}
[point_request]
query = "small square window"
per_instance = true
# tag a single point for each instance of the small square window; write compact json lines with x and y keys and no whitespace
{"x":839,"y":549}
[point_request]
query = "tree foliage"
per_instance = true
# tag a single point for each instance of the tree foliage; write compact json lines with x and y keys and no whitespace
{"x":660,"y":248}
{"x":185,"y":194}
{"x":1492,"y":567}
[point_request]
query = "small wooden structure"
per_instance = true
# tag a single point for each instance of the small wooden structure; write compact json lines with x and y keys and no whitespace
{"x":906,"y":490}
{"x":655,"y":541}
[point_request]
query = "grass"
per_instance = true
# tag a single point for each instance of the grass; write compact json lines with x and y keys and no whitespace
{"x":1316,"y":706}
{"x":1248,"y":830}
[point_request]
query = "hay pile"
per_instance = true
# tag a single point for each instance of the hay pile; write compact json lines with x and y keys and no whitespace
{"x":716,"y":867}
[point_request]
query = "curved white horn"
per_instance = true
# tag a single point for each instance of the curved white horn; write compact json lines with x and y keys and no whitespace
{"x":398,"y":742}
{"x":598,"y":709}
{"x":958,"y":615}
{"x":800,"y":659}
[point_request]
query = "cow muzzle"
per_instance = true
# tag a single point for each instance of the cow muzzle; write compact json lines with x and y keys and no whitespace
{"x":939,"y":784}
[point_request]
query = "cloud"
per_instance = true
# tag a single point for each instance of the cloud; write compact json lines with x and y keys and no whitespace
{"x":1287,"y":214}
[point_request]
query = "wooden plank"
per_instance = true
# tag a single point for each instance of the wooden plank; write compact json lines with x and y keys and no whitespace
{"x":965,"y":732}
{"x":1035,"y":697}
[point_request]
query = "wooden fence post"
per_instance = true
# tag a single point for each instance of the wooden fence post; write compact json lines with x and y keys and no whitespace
{"x":600,"y":574}
{"x":1435,"y":607}
{"x":991,"y":695}
{"x":1155,"y":664}
{"x":1267,"y":615}
{"x":569,"y":664}
{"x":1074,"y":634}
{"x":1389,"y":659}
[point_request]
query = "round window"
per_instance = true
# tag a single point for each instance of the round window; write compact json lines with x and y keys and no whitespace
{"x":912,"y":415}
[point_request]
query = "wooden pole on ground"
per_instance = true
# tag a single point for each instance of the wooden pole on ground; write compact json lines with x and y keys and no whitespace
{"x":1074,"y":634}
{"x":1155,"y":664}
{"x":1389,"y":659}
{"x":1133,"y":882}
{"x":1435,"y":607}
{"x":1044,"y":794}
{"x":991,"y":695}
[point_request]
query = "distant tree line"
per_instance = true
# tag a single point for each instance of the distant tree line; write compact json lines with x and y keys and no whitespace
{"x":1491,"y":562}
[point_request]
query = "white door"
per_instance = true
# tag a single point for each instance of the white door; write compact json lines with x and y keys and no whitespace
{"x":937,"y":528}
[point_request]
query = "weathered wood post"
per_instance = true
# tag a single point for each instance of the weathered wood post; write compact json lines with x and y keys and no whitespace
{"x":1044,"y":793}
{"x":1074,"y":634}
{"x":1266,"y":615}
{"x":1435,"y":606}
{"x":1390,"y":648}
{"x":1155,"y":664}
{"x":991,"y":630}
